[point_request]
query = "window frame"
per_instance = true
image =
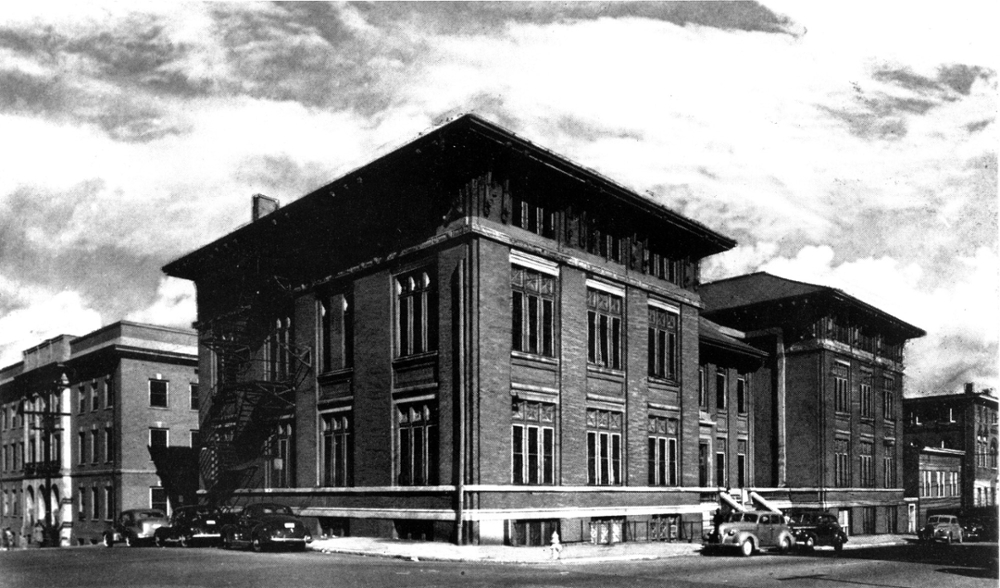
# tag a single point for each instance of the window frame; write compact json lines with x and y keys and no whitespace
{"x":663,"y":341}
{"x":337,"y":442}
{"x":606,"y":327}
{"x":661,"y":448}
{"x":166,"y":436}
{"x":605,"y":452}
{"x":533,"y":309}
{"x":166,"y":393}
{"x":420,"y":333}
{"x":419,"y":451}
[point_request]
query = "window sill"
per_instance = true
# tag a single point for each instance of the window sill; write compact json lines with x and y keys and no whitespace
{"x":598,"y":369}
{"x":534,"y":357}
{"x":413,"y":359}
{"x":663,"y":381}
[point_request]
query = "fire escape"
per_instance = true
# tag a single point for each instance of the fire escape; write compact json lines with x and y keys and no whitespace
{"x":258,"y":369}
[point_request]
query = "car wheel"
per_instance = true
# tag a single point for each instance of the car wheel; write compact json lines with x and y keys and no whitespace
{"x":256,"y":544}
{"x":227,"y":540}
{"x":185,"y":541}
{"x":130,"y":541}
{"x":961,"y":537}
{"x":746,"y":548}
{"x":158,"y":541}
{"x":784,"y":544}
{"x":108,"y":541}
{"x":948,"y":540}
{"x":838,"y":546}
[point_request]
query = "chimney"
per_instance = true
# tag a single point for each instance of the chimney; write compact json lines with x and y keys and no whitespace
{"x":970,"y":388}
{"x":263,"y":206}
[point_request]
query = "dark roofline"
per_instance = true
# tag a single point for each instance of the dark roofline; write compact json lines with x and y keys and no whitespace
{"x":837,"y":294}
{"x":491,"y":131}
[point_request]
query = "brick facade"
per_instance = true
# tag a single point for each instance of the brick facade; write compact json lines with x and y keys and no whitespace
{"x":465,"y":220}
{"x":117,"y":474}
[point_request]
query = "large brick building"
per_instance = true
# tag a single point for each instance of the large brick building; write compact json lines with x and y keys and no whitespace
{"x":471,"y":339}
{"x":963,"y":424}
{"x":829,"y":428}
{"x":122,"y":396}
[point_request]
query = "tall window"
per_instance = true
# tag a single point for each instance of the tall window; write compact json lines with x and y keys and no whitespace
{"x":741,"y":394}
{"x":95,"y":446}
{"x":841,"y":463}
{"x":81,"y":447}
{"x":721,"y":474}
{"x":663,"y":343}
{"x":662,"y":444}
{"x":533,"y":442}
{"x":109,"y":392}
{"x":194,"y":399}
{"x":158,"y":393}
{"x":95,"y":398}
{"x":532,"y":312}
{"x":604,"y":328}
{"x":702,"y":387}
{"x":82,"y":399}
{"x":842,"y":395}
{"x":741,"y":463}
{"x":81,"y":505}
{"x":867,"y":465}
{"x":415,"y":314}
{"x":278,"y":349}
{"x":337,"y":331}
{"x":109,"y":444}
{"x":720,"y":389}
{"x":889,"y":467}
{"x":281,"y":465}
{"x":889,"y":405}
{"x":703,"y":464}
{"x":95,"y":503}
{"x":109,"y":502}
{"x":604,"y":447}
{"x":867,"y":401}
{"x":338,"y":449}
{"x":416,"y":444}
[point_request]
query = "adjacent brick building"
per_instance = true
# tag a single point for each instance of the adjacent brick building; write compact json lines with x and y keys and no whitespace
{"x":121,"y":395}
{"x":829,"y":427}
{"x":472,"y":339}
{"x":964,"y":425}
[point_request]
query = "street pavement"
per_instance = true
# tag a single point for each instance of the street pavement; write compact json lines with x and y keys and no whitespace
{"x":573,"y":552}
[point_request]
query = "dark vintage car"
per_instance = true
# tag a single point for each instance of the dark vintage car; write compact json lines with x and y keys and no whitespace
{"x":942,"y":528}
{"x":135,"y":527}
{"x":751,"y":531}
{"x":812,"y":528}
{"x":191,"y":525}
{"x":265,"y":525}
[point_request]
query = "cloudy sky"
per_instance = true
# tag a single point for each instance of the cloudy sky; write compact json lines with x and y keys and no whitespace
{"x":850,"y":145}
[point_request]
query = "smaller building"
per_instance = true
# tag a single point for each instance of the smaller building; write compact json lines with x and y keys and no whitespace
{"x":95,"y":424}
{"x":966,"y":422}
{"x":932,"y":475}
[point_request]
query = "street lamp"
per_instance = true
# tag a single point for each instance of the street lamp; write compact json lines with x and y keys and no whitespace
{"x":47,"y":422}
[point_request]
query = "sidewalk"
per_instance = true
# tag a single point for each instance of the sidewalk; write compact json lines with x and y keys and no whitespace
{"x":572,"y":553}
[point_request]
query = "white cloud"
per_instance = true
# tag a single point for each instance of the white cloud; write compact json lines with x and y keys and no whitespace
{"x":175,"y":305}
{"x":45,"y":314}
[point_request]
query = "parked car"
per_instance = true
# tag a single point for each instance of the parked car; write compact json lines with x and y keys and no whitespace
{"x":816,"y":527}
{"x":941,"y":528}
{"x":190,"y":525}
{"x":264,"y":525}
{"x":135,"y":527}
{"x":751,"y":531}
{"x":973,"y":530}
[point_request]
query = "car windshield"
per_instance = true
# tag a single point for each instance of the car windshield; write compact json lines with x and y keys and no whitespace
{"x":149,"y":514}
{"x":801,"y":518}
{"x":936,"y":520}
{"x":743,"y":517}
{"x":826,"y":519}
{"x":275,"y":509}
